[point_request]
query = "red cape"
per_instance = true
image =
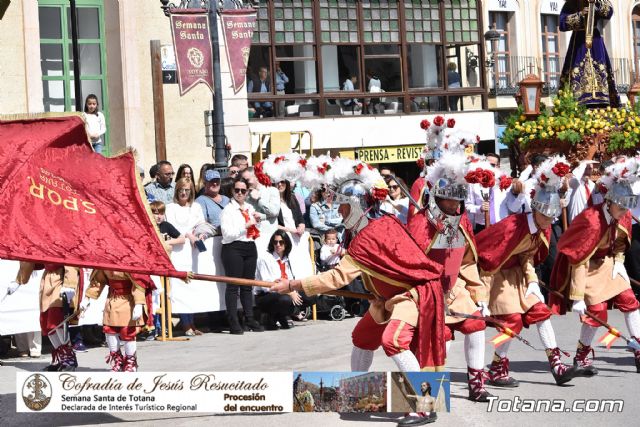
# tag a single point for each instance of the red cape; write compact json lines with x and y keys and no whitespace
{"x":385,"y":247}
{"x":417,"y":192}
{"x":578,"y":244}
{"x":497,"y":242}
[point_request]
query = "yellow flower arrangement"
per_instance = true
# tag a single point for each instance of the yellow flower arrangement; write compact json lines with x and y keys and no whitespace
{"x":568,"y":121}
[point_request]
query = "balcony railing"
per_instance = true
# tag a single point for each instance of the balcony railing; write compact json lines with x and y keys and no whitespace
{"x":507,"y":72}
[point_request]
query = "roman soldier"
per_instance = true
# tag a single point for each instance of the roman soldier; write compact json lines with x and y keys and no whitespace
{"x":394,"y":269}
{"x":508,"y":252}
{"x":126,"y":311}
{"x":445,"y":234}
{"x":58,"y":282}
{"x":590,"y":269}
{"x":438,"y":141}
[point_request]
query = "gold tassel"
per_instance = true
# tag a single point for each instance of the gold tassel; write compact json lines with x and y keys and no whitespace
{"x":34,"y":116}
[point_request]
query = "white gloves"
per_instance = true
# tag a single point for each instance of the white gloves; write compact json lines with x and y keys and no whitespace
{"x":137,"y":312}
{"x":564,"y":202}
{"x":13,"y":286}
{"x":69,"y":292}
{"x":579,"y":307}
{"x":84,"y":303}
{"x":484,"y":308}
{"x":534,"y":289}
{"x":618,"y":268}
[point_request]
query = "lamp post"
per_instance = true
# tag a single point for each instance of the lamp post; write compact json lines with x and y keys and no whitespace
{"x":214,"y":121}
{"x":492,"y":36}
{"x":530,"y":93}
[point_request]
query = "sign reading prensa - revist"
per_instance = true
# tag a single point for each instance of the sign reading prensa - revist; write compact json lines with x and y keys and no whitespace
{"x":192,"y":45}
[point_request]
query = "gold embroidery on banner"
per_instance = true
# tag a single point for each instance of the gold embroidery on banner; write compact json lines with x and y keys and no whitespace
{"x":54,"y":197}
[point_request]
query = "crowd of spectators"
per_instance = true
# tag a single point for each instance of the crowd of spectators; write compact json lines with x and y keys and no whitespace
{"x":265,"y":235}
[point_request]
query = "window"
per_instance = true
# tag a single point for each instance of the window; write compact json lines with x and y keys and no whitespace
{"x":635,"y":22}
{"x":550,"y":50}
{"x":285,"y":45}
{"x":423,"y":55}
{"x":500,"y":49}
{"x":56,"y":55}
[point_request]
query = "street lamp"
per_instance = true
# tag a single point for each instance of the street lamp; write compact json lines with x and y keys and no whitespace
{"x":530,"y":92}
{"x":492,"y":36}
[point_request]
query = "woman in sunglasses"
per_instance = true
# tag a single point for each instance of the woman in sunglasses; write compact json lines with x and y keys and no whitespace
{"x":238,"y":224}
{"x":397,"y":203}
{"x":275,"y":264}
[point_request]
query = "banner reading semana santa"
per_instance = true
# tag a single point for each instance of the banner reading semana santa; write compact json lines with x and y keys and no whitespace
{"x":168,"y":392}
{"x":192,"y":45}
{"x":239,"y":26}
{"x":62,"y":203}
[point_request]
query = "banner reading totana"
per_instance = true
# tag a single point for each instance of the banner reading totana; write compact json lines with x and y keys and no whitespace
{"x":192,"y":45}
{"x":61,"y":203}
{"x":239,"y":26}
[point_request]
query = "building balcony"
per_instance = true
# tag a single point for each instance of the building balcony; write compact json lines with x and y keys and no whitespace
{"x":507,"y":71}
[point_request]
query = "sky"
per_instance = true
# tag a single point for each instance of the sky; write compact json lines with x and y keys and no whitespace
{"x":433,"y":378}
{"x":329,"y":379}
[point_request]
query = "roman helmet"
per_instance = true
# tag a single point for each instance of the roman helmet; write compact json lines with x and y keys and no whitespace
{"x":549,"y":175}
{"x":360,"y":186}
{"x":619,"y":181}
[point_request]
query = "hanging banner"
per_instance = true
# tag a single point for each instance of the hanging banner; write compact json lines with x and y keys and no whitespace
{"x":239,"y":26}
{"x":192,"y":45}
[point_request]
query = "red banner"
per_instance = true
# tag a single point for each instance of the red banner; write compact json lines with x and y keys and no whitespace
{"x":192,"y":45}
{"x":62,"y":203}
{"x":239,"y":26}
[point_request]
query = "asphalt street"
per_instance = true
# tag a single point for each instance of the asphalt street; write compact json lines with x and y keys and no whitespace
{"x":326,"y":346}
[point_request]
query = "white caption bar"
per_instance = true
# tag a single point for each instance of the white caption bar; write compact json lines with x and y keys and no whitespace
{"x":220,"y":392}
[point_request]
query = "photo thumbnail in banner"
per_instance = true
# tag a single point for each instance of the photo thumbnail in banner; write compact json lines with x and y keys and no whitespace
{"x":420,"y":391}
{"x":167,"y":392}
{"x":340,"y":392}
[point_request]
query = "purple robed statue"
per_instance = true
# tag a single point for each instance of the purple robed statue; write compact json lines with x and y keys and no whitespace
{"x":588,"y":71}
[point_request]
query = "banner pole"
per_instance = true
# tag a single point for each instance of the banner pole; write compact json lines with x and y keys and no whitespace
{"x":249,"y":282}
{"x":315,"y":271}
{"x":163,"y":310}
{"x":169,"y":324}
